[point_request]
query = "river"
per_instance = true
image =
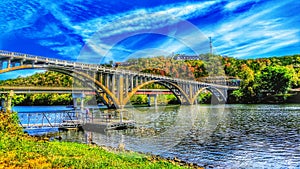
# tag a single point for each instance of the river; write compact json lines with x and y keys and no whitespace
{"x":218,"y":136}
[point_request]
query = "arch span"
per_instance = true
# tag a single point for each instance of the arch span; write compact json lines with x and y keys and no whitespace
{"x":215,"y":91}
{"x":71,"y":72}
{"x":181,"y":95}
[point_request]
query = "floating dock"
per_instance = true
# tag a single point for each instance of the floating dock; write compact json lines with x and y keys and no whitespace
{"x":67,"y":120}
{"x":98,"y":125}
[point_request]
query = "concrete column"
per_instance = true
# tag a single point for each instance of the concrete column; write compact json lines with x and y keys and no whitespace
{"x":155,"y":100}
{"x":82,"y":102}
{"x":107,"y":81}
{"x":190,"y":92}
{"x":126,"y":85}
{"x":8,"y":63}
{"x":75,"y":102}
{"x":9,"y":98}
{"x":113,"y":84}
{"x":121,"y":90}
{"x":141,"y":80}
{"x":149,"y":100}
{"x":3,"y":104}
{"x":136,"y":81}
{"x":117,"y":86}
{"x":131,"y":82}
{"x":95,"y":76}
{"x":100,"y":77}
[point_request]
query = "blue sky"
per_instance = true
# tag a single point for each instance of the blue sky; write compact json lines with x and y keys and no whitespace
{"x":97,"y":31}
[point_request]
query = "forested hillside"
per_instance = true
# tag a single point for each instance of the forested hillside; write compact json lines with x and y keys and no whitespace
{"x":50,"y":79}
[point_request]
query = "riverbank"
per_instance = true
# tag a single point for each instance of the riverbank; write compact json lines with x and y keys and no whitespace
{"x":18,"y":150}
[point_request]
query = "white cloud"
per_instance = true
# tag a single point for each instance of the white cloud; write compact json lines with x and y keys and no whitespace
{"x":231,"y":6}
{"x":141,"y":19}
{"x":256,"y":32}
{"x":112,"y":29}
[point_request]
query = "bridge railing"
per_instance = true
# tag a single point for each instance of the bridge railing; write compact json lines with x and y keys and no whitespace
{"x":47,"y":119}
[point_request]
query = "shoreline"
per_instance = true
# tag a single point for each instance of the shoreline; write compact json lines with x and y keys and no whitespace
{"x":121,"y":149}
{"x":20,"y":150}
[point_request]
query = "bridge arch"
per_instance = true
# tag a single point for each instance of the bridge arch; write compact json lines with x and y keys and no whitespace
{"x":70,"y":72}
{"x":215,"y":91}
{"x":168,"y":84}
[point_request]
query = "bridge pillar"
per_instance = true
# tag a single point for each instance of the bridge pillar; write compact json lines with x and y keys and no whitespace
{"x":75,"y":102}
{"x":3,"y":104}
{"x":136,"y":81}
{"x":107,"y":81}
{"x":120,"y":88}
{"x":126,"y":85}
{"x":141,"y":80}
{"x":149,"y":99}
{"x":8,"y":63}
{"x":81,"y":97}
{"x":113,"y":84}
{"x":191,"y":93}
{"x":81,"y":103}
{"x":100,"y":77}
{"x":131,"y":82}
{"x":6,"y":103}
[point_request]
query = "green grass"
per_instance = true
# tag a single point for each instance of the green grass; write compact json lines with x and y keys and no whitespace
{"x":18,"y":150}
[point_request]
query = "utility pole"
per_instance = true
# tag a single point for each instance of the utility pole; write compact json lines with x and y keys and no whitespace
{"x":210,"y":45}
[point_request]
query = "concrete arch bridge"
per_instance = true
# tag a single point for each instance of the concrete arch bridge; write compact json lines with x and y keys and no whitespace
{"x":115,"y":87}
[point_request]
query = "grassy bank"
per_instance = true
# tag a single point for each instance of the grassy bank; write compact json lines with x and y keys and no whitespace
{"x":18,"y":150}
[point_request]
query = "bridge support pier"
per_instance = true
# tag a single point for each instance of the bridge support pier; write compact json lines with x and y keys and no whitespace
{"x":149,"y":99}
{"x":6,"y":103}
{"x":74,"y":102}
{"x":81,"y":97}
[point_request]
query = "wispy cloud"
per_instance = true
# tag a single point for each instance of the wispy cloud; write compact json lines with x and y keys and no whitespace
{"x":144,"y":21}
{"x":234,"y":5}
{"x":256,"y":32}
{"x":238,"y":28}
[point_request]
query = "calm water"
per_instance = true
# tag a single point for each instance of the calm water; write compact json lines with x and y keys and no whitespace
{"x":220,"y":136}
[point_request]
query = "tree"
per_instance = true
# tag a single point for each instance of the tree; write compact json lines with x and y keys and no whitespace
{"x":275,"y":80}
{"x":247,"y":90}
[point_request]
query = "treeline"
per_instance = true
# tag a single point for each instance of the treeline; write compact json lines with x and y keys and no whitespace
{"x":264,"y":80}
{"x":48,"y":79}
{"x":42,"y":99}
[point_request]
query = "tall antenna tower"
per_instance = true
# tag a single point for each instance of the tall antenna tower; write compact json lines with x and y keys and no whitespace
{"x":210,"y":46}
